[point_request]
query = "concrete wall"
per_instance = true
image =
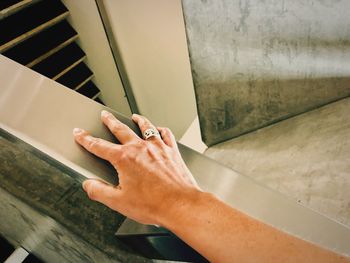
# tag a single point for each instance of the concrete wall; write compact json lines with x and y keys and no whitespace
{"x":306,"y":158}
{"x":151,"y":39}
{"x":85,"y":18}
{"x":258,"y":62}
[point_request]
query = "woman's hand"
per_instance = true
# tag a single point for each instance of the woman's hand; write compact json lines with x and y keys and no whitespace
{"x":155,"y":187}
{"x":153,"y":177}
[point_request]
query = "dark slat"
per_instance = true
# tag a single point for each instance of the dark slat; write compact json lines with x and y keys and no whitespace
{"x":99,"y":101}
{"x":6,"y":249}
{"x":60,"y":61}
{"x":9,"y":7}
{"x":75,"y":76}
{"x":7,"y":3}
{"x":40,"y":44}
{"x":89,"y":90}
{"x":29,"y":18}
{"x":32,"y":259}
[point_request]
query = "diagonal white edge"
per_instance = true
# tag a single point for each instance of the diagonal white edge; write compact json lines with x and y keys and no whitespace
{"x":19,"y":255}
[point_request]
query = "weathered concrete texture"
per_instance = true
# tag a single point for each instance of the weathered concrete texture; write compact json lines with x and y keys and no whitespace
{"x":257,"y":62}
{"x":306,"y":157}
{"x":43,"y":236}
{"x":50,"y":214}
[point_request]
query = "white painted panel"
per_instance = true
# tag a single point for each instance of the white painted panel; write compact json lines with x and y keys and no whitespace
{"x":151,"y":39}
{"x":85,"y":19}
{"x":192,"y":137}
{"x":17,"y":256}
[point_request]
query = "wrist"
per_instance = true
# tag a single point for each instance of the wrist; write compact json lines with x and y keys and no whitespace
{"x":180,"y":208}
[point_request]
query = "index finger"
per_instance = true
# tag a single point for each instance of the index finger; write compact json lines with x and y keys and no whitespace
{"x":97,"y":146}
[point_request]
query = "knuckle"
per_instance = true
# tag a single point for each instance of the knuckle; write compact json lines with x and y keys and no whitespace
{"x":138,"y":145}
{"x":142,"y":118}
{"x":132,"y":157}
{"x":150,"y":150}
{"x":143,"y":126}
{"x":82,"y":137}
{"x":123,"y":156}
{"x":79,"y":136}
{"x":168,"y":131}
{"x":92,"y":143}
{"x":115,"y":127}
{"x":146,"y":120}
{"x":109,"y":116}
{"x":143,"y":144}
{"x":148,"y":144}
{"x":110,"y":154}
{"x":158,"y":141}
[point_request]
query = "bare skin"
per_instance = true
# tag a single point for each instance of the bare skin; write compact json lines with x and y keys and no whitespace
{"x":156,"y":187}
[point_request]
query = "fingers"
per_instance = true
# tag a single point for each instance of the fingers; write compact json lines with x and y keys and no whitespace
{"x":102,"y":192}
{"x":121,"y":131}
{"x":167,"y":136}
{"x":97,"y":146}
{"x":144,"y":124}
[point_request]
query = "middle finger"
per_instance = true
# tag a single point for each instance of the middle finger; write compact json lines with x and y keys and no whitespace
{"x":121,"y":131}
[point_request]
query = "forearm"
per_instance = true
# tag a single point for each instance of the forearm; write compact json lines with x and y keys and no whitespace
{"x":152,"y":169}
{"x":223,"y":234}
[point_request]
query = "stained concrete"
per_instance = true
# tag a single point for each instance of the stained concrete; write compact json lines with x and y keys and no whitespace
{"x":257,"y":62}
{"x":44,"y":209}
{"x":43,"y":236}
{"x":306,"y":158}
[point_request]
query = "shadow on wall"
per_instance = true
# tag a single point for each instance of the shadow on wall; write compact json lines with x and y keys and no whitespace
{"x":234,"y":108}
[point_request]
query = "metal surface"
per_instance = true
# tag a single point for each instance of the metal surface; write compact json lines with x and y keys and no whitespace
{"x":43,"y":113}
{"x":117,"y":57}
{"x":131,"y":227}
{"x":258,"y":62}
{"x":156,"y":242}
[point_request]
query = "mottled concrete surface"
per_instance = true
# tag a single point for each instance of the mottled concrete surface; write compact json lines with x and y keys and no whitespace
{"x":43,"y":208}
{"x":43,"y":236}
{"x":306,"y":157}
{"x":257,"y":62}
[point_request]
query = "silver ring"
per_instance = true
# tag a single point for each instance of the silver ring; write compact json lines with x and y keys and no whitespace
{"x":151,"y":132}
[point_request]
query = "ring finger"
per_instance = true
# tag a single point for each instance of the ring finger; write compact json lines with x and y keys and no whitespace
{"x":144,"y":124}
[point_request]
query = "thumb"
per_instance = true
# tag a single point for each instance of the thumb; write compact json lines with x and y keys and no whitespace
{"x":102,"y":192}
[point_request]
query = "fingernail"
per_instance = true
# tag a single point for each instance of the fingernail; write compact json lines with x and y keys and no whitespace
{"x":77,"y":131}
{"x":104,"y":113}
{"x":134,"y":116}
